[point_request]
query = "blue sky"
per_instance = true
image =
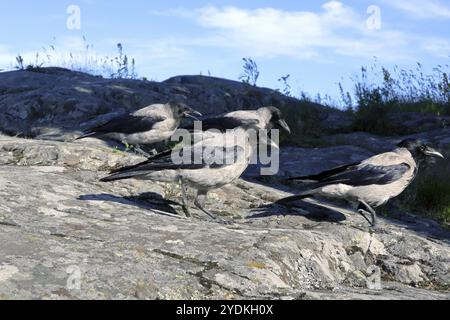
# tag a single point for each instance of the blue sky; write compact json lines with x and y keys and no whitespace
{"x":318,"y":43}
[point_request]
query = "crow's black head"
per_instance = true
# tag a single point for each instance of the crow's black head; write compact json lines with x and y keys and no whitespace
{"x":419,"y":150}
{"x":181,"y":110}
{"x":277,"y":121}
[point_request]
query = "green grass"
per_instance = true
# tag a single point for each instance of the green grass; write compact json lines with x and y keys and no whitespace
{"x":85,"y":59}
{"x":380,"y":92}
{"x":306,"y":123}
{"x":374,"y":103}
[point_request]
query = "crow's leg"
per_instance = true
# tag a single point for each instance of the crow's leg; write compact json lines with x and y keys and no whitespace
{"x":200,"y":203}
{"x":184,"y":196}
{"x":364,"y":209}
{"x":141,"y":152}
{"x":364,"y":214}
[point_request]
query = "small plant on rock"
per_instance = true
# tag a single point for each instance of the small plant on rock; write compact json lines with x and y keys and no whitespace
{"x":286,"y":89}
{"x":251,"y":72}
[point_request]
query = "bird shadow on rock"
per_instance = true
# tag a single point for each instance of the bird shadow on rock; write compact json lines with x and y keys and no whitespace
{"x":146,"y":201}
{"x":308,"y":210}
{"x":418,"y":224}
{"x":315,"y":212}
{"x":131,"y":149}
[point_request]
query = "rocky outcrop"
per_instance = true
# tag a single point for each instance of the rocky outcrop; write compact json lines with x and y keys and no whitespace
{"x":440,"y":138}
{"x":65,"y":235}
{"x":54,"y":103}
{"x":417,"y":122}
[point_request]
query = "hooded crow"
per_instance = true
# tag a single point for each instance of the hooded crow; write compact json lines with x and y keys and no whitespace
{"x":149,"y":125}
{"x":217,"y":160}
{"x":372,"y":182}
{"x":266,"y":118}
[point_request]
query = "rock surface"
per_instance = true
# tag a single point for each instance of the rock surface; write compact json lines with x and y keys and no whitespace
{"x":439,"y":138}
{"x":65,"y":235}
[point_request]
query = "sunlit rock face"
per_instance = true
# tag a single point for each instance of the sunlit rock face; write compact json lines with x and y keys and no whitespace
{"x":65,"y":235}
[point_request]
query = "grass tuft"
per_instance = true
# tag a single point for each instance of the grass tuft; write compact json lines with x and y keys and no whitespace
{"x":84,"y":60}
{"x":380,"y":93}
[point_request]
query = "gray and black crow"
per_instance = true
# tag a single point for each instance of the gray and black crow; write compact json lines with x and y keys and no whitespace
{"x":221,"y":159}
{"x":265,"y":118}
{"x":372,"y":182}
{"x":151,"y":124}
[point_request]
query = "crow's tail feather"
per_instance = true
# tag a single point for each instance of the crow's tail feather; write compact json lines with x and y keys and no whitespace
{"x":287,"y":200}
{"x":305,"y":178}
{"x":87,"y":135}
{"x":150,"y":159}
{"x":324,"y":174}
{"x":121,"y":176}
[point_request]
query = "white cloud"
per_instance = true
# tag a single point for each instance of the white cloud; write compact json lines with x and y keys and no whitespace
{"x":422,"y":9}
{"x":163,"y":49}
{"x":269,"y":32}
{"x":437,"y":47}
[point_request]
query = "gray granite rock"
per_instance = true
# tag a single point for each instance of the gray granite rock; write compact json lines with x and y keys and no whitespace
{"x":65,"y":235}
{"x":416,"y":122}
{"x":377,"y":144}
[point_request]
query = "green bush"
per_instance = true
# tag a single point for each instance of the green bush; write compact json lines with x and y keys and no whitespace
{"x":382,"y":92}
{"x":373,"y":111}
{"x":305,"y":119}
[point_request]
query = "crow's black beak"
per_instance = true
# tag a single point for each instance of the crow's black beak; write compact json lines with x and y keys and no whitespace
{"x":190,"y":114}
{"x":284,"y":125}
{"x":430,"y":152}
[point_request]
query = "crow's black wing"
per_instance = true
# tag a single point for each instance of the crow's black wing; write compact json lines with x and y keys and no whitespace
{"x":364,"y":175}
{"x":164,"y":157}
{"x":186,"y":158}
{"x":325,"y":174}
{"x":222,"y":123}
{"x":127,"y":124}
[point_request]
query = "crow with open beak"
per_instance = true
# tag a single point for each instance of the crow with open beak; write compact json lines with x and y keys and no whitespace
{"x":372,"y":182}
